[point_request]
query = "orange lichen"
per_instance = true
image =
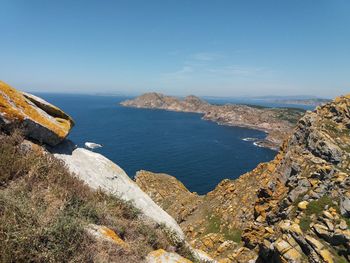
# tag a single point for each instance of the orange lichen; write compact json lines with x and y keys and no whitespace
{"x":161,"y":255}
{"x":114,"y":237}
{"x":14,"y":106}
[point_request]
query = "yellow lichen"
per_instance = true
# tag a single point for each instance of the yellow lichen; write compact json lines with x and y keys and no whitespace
{"x":15,"y":107}
{"x":113,"y":236}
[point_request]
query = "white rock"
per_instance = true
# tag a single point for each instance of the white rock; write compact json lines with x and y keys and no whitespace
{"x":100,"y":173}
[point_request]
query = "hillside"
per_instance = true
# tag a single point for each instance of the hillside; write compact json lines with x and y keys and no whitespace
{"x":295,"y":208}
{"x":276,"y":122}
{"x":61,"y":203}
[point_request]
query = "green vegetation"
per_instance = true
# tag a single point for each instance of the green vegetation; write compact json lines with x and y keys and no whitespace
{"x":305,"y":222}
{"x":291,"y":115}
{"x":44,"y":212}
{"x":214,"y":226}
{"x":317,"y":206}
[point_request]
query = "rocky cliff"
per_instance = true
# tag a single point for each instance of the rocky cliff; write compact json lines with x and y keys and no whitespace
{"x":278,"y":123}
{"x":292,"y":209}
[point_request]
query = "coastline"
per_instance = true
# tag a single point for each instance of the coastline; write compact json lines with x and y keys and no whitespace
{"x":265,"y":143}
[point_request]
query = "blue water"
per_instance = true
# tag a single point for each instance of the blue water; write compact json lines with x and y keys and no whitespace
{"x":199,"y":153}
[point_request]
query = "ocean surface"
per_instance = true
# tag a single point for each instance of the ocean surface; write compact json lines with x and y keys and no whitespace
{"x":199,"y":153}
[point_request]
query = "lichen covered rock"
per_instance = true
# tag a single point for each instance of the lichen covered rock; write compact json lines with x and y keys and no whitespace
{"x":162,"y":256}
{"x":38,"y":119}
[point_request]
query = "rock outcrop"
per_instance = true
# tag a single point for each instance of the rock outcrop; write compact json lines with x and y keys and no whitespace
{"x":157,"y":186}
{"x":99,"y":173}
{"x":38,"y":119}
{"x":292,"y":209}
{"x":277,"y":123}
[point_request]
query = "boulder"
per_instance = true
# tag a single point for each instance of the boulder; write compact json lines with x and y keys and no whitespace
{"x":39,"y":120}
{"x":102,"y":174}
{"x":345,"y":206}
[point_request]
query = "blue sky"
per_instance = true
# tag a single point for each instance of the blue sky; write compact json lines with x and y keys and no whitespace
{"x":179,"y":47}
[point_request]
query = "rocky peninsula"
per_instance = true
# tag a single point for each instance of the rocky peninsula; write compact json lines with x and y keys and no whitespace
{"x":278,"y":123}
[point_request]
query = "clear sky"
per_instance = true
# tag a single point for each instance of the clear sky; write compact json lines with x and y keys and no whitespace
{"x":179,"y":47}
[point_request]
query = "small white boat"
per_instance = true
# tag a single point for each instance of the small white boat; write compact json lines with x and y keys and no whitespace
{"x":92,"y":145}
{"x":248,"y":139}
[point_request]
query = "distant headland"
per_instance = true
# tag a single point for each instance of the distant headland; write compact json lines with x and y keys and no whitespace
{"x":276,"y":122}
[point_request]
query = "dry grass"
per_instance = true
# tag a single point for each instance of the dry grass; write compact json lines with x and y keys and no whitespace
{"x":44,"y":212}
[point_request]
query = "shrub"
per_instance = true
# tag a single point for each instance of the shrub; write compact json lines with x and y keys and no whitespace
{"x":44,"y":211}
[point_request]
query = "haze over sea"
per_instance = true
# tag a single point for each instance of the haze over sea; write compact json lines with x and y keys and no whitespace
{"x":197,"y":152}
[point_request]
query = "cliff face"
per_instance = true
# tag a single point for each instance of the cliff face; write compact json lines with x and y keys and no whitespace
{"x":278,"y":123}
{"x":292,"y":209}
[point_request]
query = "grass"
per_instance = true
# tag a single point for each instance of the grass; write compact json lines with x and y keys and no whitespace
{"x":305,"y":222}
{"x":214,"y":226}
{"x":317,"y":206}
{"x":44,"y":212}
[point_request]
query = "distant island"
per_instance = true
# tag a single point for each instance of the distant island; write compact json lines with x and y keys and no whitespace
{"x":276,"y":122}
{"x":296,"y":100}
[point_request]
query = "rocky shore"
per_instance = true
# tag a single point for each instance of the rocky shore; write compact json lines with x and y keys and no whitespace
{"x":278,"y":123}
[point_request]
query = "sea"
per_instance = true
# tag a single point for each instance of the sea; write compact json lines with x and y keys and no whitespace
{"x":197,"y":152}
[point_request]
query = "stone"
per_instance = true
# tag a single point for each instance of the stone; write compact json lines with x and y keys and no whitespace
{"x":303,"y":205}
{"x":343,"y":225}
{"x":293,"y":255}
{"x":282,"y":246}
{"x":38,"y":119}
{"x":106,"y":234}
{"x":99,"y":173}
{"x":317,"y":245}
{"x":345,"y":206}
{"x":326,"y":256}
{"x":322,"y":231}
{"x":328,"y":215}
{"x":162,"y":256}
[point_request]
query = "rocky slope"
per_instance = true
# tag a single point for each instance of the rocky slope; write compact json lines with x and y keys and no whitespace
{"x":55,"y":197}
{"x":278,"y":123}
{"x":295,"y":208}
{"x":292,"y":209}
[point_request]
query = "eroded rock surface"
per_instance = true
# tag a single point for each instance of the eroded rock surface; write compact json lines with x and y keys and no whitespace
{"x":38,"y":119}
